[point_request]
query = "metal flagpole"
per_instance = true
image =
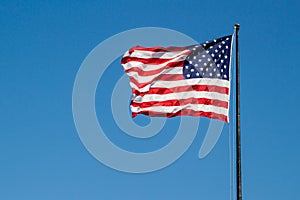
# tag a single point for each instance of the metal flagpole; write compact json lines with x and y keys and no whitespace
{"x":238,"y":130}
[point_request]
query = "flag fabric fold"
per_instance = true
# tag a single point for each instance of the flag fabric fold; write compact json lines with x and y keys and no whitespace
{"x":180,"y":81}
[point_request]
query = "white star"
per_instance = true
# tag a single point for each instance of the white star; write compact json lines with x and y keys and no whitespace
{"x":205,"y":64}
{"x":204,"y":45}
{"x":188,"y":75}
{"x":200,"y":60}
{"x":196,"y":65}
{"x":225,"y":76}
{"x":225,"y":66}
{"x":208,"y":59}
{"x":207,"y":51}
{"x":225,"y":56}
{"x":212,"y":55}
{"x":201,"y":69}
{"x":223,"y":42}
{"x":220,"y":46}
{"x":210,"y":74}
{"x":211,"y":47}
{"x":226,"y":47}
{"x":186,"y":67}
{"x":192,"y":70}
{"x":191,"y":62}
{"x":203,"y":55}
{"x":222,"y":61}
{"x":218,"y":75}
{"x":194,"y":57}
{"x":197,"y":74}
{"x":216,"y":50}
{"x":206,"y":69}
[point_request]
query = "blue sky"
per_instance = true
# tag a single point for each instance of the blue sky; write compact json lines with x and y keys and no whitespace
{"x":42,"y":47}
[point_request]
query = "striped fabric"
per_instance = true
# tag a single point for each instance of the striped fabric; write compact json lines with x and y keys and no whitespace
{"x":160,"y":88}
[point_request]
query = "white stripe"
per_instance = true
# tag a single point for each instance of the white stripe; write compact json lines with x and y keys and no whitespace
{"x":173,"y":109}
{"x":180,"y":95}
{"x":145,"y":79}
{"x":151,"y":54}
{"x":149,"y":67}
{"x":186,"y":82}
{"x":143,"y":67}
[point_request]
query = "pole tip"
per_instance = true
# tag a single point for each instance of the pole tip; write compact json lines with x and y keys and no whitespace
{"x":237,"y":26}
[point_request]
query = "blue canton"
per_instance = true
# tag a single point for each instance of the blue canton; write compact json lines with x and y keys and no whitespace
{"x":209,"y":60}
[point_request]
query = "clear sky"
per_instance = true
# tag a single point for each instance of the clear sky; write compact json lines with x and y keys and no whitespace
{"x":43,"y":44}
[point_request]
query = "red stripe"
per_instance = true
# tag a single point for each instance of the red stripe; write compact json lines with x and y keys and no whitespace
{"x":153,"y":61}
{"x":181,"y":102}
{"x":157,"y":49}
{"x":185,"y":112}
{"x":162,"y":77}
{"x":156,"y":71}
{"x":149,"y":61}
{"x":187,"y":88}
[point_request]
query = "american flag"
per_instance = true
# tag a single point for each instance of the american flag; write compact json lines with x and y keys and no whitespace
{"x":180,"y":81}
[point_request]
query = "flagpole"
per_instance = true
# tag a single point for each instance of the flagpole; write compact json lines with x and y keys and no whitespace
{"x":238,"y":128}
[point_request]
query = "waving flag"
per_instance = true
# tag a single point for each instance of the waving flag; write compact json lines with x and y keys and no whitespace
{"x":180,"y":81}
